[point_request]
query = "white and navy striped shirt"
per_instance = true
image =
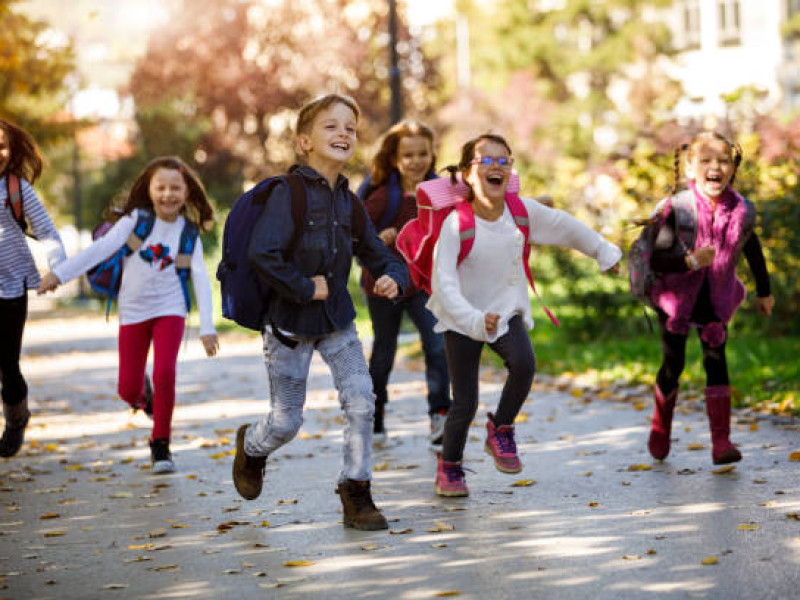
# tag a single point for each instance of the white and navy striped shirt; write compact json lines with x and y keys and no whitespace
{"x":17,"y":268}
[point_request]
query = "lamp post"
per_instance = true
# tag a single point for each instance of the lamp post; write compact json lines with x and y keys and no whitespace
{"x":394,"y":70}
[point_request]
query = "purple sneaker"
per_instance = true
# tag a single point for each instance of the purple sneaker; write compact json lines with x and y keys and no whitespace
{"x":450,"y":480}
{"x":501,"y":446}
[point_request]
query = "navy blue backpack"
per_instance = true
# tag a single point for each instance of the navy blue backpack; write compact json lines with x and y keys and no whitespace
{"x":106,"y":276}
{"x":244,"y":295}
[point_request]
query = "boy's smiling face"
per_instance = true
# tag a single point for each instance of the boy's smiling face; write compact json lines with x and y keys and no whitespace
{"x":332,"y":138}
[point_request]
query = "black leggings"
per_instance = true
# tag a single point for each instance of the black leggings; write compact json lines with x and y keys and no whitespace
{"x":673,"y":349}
{"x":13,"y":313}
{"x":463,"y":361}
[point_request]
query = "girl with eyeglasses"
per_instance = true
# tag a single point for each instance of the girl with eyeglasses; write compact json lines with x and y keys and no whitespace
{"x":483,"y":300}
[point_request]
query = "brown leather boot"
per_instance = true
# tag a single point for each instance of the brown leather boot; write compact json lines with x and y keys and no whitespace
{"x":248,"y":471}
{"x":17,"y":417}
{"x":661,"y":425}
{"x":359,"y":510}
{"x":718,"y":407}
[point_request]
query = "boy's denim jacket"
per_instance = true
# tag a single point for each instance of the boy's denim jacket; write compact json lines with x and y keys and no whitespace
{"x":324,"y":248}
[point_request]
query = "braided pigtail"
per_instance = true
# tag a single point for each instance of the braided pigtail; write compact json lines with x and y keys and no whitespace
{"x":453,"y":170}
{"x":677,"y":167}
{"x":736,"y":151}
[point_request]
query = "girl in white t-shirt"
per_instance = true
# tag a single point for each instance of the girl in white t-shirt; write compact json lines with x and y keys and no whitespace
{"x":152,"y":303}
{"x":483,"y":300}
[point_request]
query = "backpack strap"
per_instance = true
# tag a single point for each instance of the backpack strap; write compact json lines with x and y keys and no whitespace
{"x":392,"y":209}
{"x":14,"y":200}
{"x":145,"y":220}
{"x":466,"y":228}
{"x":183,"y":260}
{"x":522,"y":220}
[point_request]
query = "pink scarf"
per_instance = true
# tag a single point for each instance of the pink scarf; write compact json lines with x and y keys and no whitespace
{"x":676,"y":293}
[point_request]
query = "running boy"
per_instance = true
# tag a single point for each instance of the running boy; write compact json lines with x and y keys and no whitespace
{"x":312,"y":309}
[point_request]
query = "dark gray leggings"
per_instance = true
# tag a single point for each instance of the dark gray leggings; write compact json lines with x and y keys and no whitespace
{"x":463,"y":361}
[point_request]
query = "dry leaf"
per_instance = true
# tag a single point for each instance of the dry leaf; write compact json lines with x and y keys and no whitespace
{"x":438,"y":526}
{"x":141,"y":546}
{"x":794,"y":456}
{"x":439,"y":545}
{"x":369,"y":547}
{"x":593,"y":504}
{"x":523,"y":483}
{"x":400,"y":531}
{"x":299,"y":563}
{"x":157,"y":533}
{"x":695,"y":446}
{"x":51,"y":534}
{"x":382,"y":466}
{"x":749,"y":527}
{"x":52,"y":515}
{"x":165,"y":568}
{"x":640,"y":467}
{"x":709,"y":560}
{"x":754,"y":427}
{"x":447,"y":594}
{"x":632,"y":557}
{"x":725,"y":469}
{"x":115,"y":586}
{"x":288,"y":501}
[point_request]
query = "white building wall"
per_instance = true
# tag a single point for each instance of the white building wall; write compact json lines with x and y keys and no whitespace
{"x":715,"y":69}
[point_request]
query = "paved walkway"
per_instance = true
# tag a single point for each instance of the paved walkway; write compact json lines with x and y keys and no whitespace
{"x":591,"y":515}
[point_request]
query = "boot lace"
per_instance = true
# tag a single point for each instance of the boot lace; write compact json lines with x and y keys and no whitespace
{"x":505,"y":439}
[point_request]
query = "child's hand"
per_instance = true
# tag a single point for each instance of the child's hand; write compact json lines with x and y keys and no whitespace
{"x":210,"y":343}
{"x":386,"y":287}
{"x":48,"y":284}
{"x":388,"y":235}
{"x":320,"y":287}
{"x":765,"y":305}
{"x":490,"y":321}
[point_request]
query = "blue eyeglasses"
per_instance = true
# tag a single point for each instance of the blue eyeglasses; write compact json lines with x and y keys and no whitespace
{"x":500,"y":161}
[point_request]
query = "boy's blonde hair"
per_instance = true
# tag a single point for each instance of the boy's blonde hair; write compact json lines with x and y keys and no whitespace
{"x":310,"y":110}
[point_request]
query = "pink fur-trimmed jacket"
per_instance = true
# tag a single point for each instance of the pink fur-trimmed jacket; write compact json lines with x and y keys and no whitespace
{"x":727,"y":228}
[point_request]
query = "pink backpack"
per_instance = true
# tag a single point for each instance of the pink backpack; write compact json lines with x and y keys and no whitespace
{"x":436,"y":199}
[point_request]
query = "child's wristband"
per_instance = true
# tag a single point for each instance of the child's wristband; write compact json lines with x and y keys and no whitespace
{"x":692,"y":261}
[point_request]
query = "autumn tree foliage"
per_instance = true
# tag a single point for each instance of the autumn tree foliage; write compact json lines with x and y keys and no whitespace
{"x":220,"y":82}
{"x":34,"y":64}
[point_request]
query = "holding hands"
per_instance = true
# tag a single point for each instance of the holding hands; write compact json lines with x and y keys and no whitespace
{"x":49,"y":283}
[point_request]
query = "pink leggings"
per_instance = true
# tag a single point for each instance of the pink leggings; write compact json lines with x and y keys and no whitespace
{"x":134,"y":344}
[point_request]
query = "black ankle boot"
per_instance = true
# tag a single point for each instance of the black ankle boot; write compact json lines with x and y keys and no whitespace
{"x":17,"y":417}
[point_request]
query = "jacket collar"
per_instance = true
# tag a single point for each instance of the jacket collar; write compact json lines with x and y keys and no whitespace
{"x":312,"y":175}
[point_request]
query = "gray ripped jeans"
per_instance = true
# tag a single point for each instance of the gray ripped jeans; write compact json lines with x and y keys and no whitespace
{"x":288,"y":371}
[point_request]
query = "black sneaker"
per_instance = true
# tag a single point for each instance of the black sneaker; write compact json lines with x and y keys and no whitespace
{"x":161,"y":457}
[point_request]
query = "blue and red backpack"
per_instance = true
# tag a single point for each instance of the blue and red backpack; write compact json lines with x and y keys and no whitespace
{"x":106,"y":276}
{"x":436,"y":199}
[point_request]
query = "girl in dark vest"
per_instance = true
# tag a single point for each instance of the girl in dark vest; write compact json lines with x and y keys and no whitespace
{"x":699,"y":288}
{"x":405,"y":159}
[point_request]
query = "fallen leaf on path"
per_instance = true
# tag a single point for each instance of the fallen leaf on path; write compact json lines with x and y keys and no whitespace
{"x":400,"y":531}
{"x":288,"y":501}
{"x":157,"y":533}
{"x":299,"y":563}
{"x":695,"y":446}
{"x":632,"y":557}
{"x":447,"y":594}
{"x":709,"y":560}
{"x":115,"y":586}
{"x":439,"y":545}
{"x":640,"y":467}
{"x":523,"y":483}
{"x":754,"y":427}
{"x":369,"y":547}
{"x":749,"y":527}
{"x":141,"y":546}
{"x":381,"y":466}
{"x":52,"y":534}
{"x":593,"y":504}
{"x":165,"y":568}
{"x":794,"y":457}
{"x":51,"y":515}
{"x":723,"y":470}
{"x":438,"y":526}
{"x":120,"y":495}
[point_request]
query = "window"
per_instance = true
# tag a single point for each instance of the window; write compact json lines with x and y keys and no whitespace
{"x":729,"y":23}
{"x":690,"y":22}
